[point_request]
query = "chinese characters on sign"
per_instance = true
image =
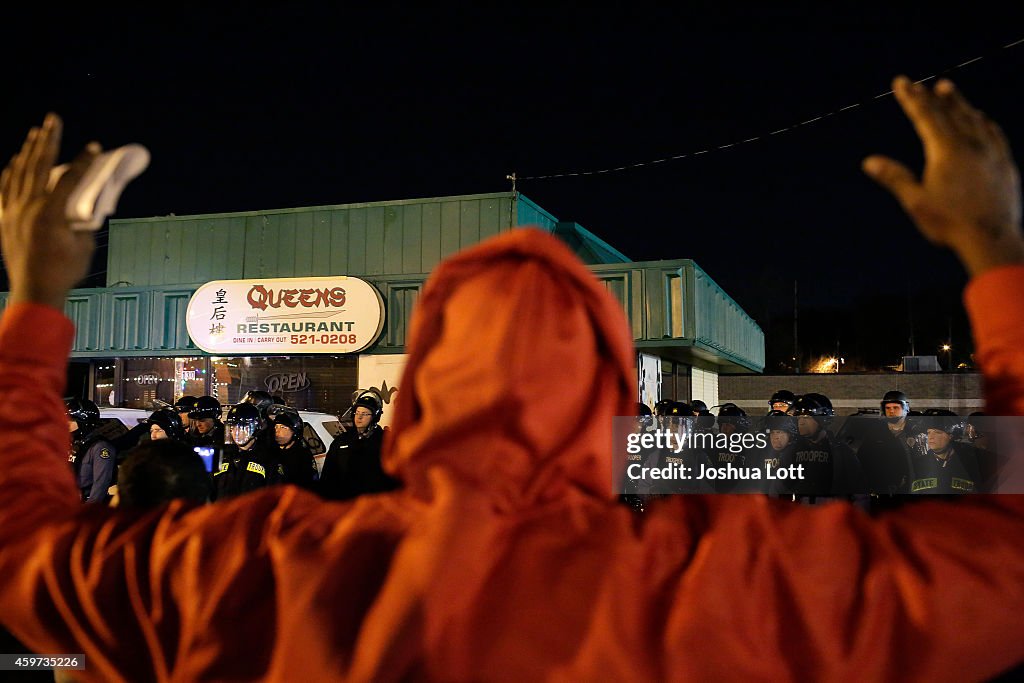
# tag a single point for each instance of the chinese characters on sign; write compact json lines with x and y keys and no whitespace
{"x":219,"y":312}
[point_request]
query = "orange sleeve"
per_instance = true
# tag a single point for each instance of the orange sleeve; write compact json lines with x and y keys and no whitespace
{"x":932,"y":591}
{"x":35,"y":480}
{"x":995,"y":304}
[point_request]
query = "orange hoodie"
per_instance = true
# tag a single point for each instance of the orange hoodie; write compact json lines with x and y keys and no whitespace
{"x":505,"y":557}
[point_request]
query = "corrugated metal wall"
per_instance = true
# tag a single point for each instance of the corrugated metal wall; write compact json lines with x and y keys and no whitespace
{"x":720,"y":324}
{"x":386,"y":238}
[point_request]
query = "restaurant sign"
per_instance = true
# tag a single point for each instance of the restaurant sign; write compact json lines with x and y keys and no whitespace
{"x":282,"y":316}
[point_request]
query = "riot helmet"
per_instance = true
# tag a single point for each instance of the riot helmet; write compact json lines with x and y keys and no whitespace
{"x":700,"y":407}
{"x":169,"y":421}
{"x":206,"y":407}
{"x":84,"y":412}
{"x":261,"y":399}
{"x":778,"y":420}
{"x":645,"y":418}
{"x":290,"y":418}
{"x":895,"y":397}
{"x":817,"y":406}
{"x":243,"y":423}
{"x":782,"y":396}
{"x":662,"y":407}
{"x":943,"y":420}
{"x":185,"y":404}
{"x":732,"y":414}
{"x":371,"y":402}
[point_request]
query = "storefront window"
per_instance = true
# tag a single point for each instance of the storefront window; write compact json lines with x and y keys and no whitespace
{"x":103,"y":389}
{"x":147,"y":380}
{"x":321,"y":383}
{"x":189,"y":377}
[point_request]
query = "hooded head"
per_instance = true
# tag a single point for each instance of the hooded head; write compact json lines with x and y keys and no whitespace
{"x":540,"y":359}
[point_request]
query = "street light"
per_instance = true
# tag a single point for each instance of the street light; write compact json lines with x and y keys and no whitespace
{"x":949,"y":356}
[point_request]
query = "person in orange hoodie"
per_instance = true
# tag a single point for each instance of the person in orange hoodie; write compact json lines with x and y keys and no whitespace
{"x":505,"y":555}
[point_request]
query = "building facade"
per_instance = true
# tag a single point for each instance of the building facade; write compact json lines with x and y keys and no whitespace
{"x":133,"y":344}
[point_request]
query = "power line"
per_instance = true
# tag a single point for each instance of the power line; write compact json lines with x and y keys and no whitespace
{"x":676,"y":157}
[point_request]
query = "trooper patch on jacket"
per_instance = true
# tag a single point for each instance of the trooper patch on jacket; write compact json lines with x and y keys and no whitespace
{"x":105,"y":453}
{"x":257,"y":468}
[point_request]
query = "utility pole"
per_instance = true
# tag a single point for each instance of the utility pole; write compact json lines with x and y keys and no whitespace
{"x":910,"y":315}
{"x":796,"y":338}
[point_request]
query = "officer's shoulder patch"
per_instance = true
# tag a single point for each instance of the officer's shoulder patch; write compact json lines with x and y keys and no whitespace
{"x":104,"y":452}
{"x":924,"y":484}
{"x":280,"y":470}
{"x":257,"y":468}
{"x":962,"y":484}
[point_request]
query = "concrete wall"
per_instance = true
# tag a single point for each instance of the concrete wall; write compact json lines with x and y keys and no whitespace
{"x":957,"y":391}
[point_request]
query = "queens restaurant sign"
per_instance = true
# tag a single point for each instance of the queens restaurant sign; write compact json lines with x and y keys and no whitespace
{"x":285,"y":316}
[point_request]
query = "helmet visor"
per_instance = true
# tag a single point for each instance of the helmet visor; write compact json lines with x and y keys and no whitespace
{"x":242,"y":433}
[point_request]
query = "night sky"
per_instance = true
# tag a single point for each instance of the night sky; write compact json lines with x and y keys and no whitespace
{"x":247,"y":109}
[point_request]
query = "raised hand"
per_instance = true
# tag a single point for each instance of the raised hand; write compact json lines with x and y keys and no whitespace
{"x":44,"y":256}
{"x":968,"y":198}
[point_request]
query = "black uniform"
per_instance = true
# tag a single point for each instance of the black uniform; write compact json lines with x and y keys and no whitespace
{"x":214,"y":437}
{"x":94,"y":460}
{"x":243,"y":471}
{"x":638,"y":491}
{"x":830,"y":468}
{"x":724,"y":457}
{"x":352,"y":466}
{"x":763,"y":459}
{"x":694,"y":460}
{"x":298,"y":464}
{"x":957,"y":474}
{"x":884,"y":454}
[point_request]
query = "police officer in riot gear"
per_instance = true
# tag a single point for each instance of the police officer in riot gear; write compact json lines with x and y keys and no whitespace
{"x":92,"y":456}
{"x":184,"y":406}
{"x":781,"y":401}
{"x":662,"y":407}
{"x":886,"y":449}
{"x":678,"y":418}
{"x":781,"y":430}
{"x":166,"y":424}
{"x":635,"y":490}
{"x":207,"y":430}
{"x":352,"y":465}
{"x":705,"y":421}
{"x":295,"y":457}
{"x":246,"y":464}
{"x":895,"y":406}
{"x":830,"y":468}
{"x":941,"y":463}
{"x":732,"y":420}
{"x":263,"y":402}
